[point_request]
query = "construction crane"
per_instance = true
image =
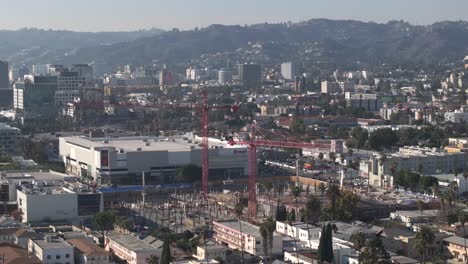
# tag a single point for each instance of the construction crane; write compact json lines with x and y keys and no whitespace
{"x":252,"y":144}
{"x":204,"y":108}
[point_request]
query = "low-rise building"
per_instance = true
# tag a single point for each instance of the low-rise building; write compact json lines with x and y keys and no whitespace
{"x":69,"y":204}
{"x":123,"y":160}
{"x":13,"y":254}
{"x":211,"y":251}
{"x":456,"y":248}
{"x":52,"y":250}
{"x":228,"y":233}
{"x":369,"y":102}
{"x":87,"y":252}
{"x":409,"y":218}
{"x":130,"y":248}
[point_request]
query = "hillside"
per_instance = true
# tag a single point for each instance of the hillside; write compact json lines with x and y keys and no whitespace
{"x":317,"y":41}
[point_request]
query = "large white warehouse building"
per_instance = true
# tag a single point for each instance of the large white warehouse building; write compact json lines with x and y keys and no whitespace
{"x":123,"y":160}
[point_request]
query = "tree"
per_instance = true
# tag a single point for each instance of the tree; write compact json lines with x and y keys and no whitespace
{"x":333,"y":193}
{"x":422,"y":239}
{"x":465,"y":175}
{"x":104,"y":221}
{"x":153,"y":259}
{"x":267,"y":230}
{"x":189,"y":173}
{"x":239,"y":208}
{"x":332,"y":156}
{"x":374,"y":253}
{"x":320,"y":156}
{"x":322,"y":190}
{"x":298,"y":126}
{"x":358,"y":138}
{"x":383,"y":138}
{"x":166,"y":257}
{"x":325,"y":248}
{"x":359,"y":240}
{"x":264,"y":233}
{"x":313,"y":209}
{"x":281,"y":213}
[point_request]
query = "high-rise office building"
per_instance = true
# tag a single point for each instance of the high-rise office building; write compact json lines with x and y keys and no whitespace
{"x":4,"y":79}
{"x":288,"y":70}
{"x":224,"y":76}
{"x":36,"y":96}
{"x":250,"y":75}
{"x":6,"y":93}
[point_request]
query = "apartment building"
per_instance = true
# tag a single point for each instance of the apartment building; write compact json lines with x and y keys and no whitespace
{"x":228,"y":234}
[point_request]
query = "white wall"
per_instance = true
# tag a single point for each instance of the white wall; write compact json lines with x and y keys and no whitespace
{"x":40,"y":207}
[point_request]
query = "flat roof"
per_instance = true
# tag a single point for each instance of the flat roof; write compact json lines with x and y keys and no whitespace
{"x":130,"y":242}
{"x":131,"y":144}
{"x":247,"y":227}
{"x":52,"y":243}
{"x":36,"y":175}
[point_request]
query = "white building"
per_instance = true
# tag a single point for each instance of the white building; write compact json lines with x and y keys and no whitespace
{"x":370,"y":102}
{"x":288,"y":70}
{"x":123,"y":160}
{"x":330,"y":87}
{"x":224,"y":76}
{"x":424,"y":160}
{"x":300,"y":231}
{"x":130,"y":248}
{"x":58,"y":204}
{"x":457,"y":116}
{"x":409,"y":218}
{"x":228,"y":233}
{"x":211,"y":251}
{"x":52,"y":250}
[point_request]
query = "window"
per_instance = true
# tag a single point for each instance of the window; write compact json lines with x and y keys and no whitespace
{"x":67,"y":255}
{"x":49,"y":257}
{"x":57,"y":257}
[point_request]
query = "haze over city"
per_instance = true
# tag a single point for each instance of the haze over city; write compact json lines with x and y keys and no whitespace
{"x":233,"y":132}
{"x":109,"y":15}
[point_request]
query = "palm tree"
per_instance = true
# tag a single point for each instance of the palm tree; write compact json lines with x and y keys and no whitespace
{"x":291,"y":218}
{"x":267,"y":230}
{"x":239,"y":208}
{"x":454,"y":186}
{"x":423,"y":238}
{"x":312,"y":205}
{"x":462,"y":217}
{"x":420,"y":205}
{"x":320,"y":156}
{"x":322,"y":189}
{"x":296,"y":192}
{"x":465,"y":175}
{"x":264,"y":233}
{"x":333,"y":193}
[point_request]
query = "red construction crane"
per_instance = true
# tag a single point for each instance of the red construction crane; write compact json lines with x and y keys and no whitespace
{"x":204,"y":108}
{"x":252,"y":144}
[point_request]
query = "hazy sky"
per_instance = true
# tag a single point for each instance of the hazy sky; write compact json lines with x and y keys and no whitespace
{"x":117,"y":15}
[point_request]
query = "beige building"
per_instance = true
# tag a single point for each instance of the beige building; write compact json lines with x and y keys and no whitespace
{"x":130,"y":248}
{"x":227,"y":233}
{"x":455,"y":246}
{"x":330,"y":87}
{"x":211,"y":251}
{"x":87,"y":252}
